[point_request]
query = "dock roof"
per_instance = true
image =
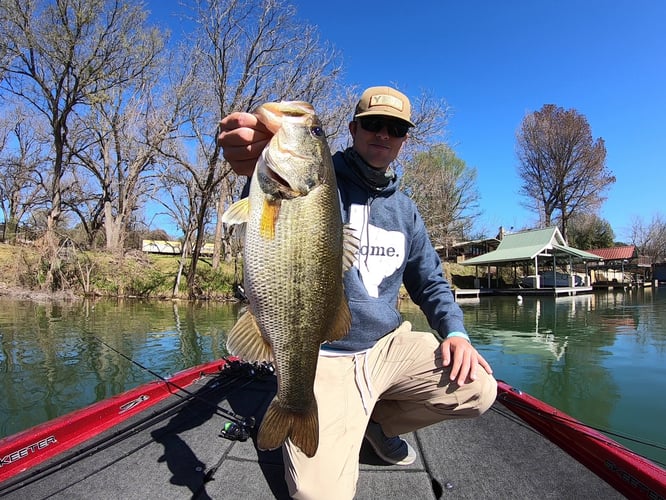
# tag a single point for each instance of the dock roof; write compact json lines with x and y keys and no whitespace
{"x":528,"y":245}
{"x":616,"y":253}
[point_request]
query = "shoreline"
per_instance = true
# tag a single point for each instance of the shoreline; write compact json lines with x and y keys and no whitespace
{"x":19,"y":293}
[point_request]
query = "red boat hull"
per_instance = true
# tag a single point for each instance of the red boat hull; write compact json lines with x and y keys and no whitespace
{"x":37,"y":444}
{"x":629,"y":473}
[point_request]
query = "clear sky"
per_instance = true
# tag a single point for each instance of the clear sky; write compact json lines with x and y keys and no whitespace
{"x":496,"y":61}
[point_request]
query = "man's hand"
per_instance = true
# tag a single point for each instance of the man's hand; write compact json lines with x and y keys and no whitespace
{"x":466,"y":359}
{"x":242,"y":138}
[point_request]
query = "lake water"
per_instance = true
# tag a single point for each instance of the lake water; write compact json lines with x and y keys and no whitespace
{"x":599,"y":357}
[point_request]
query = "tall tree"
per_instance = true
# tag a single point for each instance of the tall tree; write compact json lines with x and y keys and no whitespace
{"x":124,"y":134}
{"x":62,"y":56}
{"x":563,"y":170}
{"x":444,"y":189}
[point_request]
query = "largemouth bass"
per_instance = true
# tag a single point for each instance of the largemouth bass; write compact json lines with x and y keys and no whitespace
{"x":295,"y":252}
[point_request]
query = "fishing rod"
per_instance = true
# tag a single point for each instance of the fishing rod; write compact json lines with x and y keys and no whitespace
{"x":242,"y":422}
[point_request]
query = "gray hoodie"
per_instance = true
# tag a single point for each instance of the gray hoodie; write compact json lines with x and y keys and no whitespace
{"x":395,"y":248}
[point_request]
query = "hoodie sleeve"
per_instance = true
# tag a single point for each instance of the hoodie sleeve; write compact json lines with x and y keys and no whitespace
{"x":426,"y":285}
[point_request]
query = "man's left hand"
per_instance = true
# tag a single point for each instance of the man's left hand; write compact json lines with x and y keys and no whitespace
{"x":463,"y":359}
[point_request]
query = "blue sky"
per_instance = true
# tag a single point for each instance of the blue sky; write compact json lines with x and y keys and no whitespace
{"x":496,"y":61}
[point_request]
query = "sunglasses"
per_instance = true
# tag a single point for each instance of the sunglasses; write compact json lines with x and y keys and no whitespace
{"x":375,"y":124}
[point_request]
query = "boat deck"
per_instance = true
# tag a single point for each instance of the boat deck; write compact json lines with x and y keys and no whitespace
{"x":174,"y":450}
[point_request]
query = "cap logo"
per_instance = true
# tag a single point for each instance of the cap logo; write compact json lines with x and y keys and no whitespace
{"x":386,"y":100}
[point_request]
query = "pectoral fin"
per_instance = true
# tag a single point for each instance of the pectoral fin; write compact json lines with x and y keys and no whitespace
{"x":269,"y":215}
{"x":350,"y":246}
{"x":237,"y":213}
{"x":341,"y":323}
{"x":245,"y":340}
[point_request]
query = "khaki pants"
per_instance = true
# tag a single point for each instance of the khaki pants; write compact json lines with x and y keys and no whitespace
{"x":402,"y":383}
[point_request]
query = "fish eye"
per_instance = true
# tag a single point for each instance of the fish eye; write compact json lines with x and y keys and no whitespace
{"x":317,"y":131}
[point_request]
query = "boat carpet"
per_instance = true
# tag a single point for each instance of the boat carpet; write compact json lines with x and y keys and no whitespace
{"x":174,"y":451}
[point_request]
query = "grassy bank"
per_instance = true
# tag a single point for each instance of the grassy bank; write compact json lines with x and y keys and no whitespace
{"x":136,"y":274}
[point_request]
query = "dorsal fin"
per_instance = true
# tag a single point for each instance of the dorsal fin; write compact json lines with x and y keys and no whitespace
{"x":341,"y":323}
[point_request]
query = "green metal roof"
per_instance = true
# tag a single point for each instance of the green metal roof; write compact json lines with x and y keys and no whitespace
{"x":581,"y":254}
{"x":527,"y":245}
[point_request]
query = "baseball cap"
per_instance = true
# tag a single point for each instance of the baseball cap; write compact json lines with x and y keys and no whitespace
{"x":384,"y":101}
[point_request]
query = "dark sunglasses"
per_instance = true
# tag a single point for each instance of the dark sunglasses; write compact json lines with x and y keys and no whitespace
{"x":375,"y":124}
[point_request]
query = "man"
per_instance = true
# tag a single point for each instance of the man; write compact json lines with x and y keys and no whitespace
{"x":382,"y":379}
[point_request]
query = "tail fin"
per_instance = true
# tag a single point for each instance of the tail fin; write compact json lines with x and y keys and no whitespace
{"x":280,"y":423}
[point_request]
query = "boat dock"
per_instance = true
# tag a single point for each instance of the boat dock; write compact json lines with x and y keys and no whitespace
{"x":475,"y":293}
{"x":559,"y":291}
{"x":174,"y":450}
{"x":468,"y":293}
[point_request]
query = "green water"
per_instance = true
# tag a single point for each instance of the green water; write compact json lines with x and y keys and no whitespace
{"x":599,"y":357}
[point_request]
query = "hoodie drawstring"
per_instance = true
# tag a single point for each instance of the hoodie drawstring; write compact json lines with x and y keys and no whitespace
{"x":363,"y":381}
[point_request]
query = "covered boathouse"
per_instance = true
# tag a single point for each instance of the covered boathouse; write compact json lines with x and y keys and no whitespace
{"x":534,"y":258}
{"x":620,"y":266}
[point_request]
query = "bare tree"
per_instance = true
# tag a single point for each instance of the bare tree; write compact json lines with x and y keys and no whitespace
{"x":23,"y":150}
{"x":430,"y":115}
{"x":124,"y":134}
{"x":444,"y":189}
{"x":650,"y":238}
{"x":63,"y":56}
{"x":242,"y":54}
{"x":563,"y":170}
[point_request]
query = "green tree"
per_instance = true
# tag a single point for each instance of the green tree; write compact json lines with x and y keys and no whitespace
{"x":444,"y":189}
{"x":563,"y":170}
{"x":589,"y":231}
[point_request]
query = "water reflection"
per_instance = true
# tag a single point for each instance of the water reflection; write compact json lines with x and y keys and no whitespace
{"x":548,"y":347}
{"x":599,"y":357}
{"x":52,"y":361}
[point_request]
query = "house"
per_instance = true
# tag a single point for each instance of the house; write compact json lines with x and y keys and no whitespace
{"x":536,"y":253}
{"x":621,"y":264}
{"x":171,"y":247}
{"x":467,"y":249}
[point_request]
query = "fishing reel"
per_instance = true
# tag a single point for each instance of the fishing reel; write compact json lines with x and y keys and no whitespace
{"x":264,"y":369}
{"x":234,"y":431}
{"x":250,"y":370}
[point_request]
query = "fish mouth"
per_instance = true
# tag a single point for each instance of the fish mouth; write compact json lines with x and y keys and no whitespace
{"x":271,"y":114}
{"x":271,"y":178}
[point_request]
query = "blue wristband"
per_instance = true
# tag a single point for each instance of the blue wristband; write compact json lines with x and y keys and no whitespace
{"x":459,"y":334}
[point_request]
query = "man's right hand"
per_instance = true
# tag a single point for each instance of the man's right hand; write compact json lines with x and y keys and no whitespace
{"x":242,"y":138}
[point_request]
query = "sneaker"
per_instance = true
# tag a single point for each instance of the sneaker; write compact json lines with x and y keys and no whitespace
{"x":393,"y":450}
